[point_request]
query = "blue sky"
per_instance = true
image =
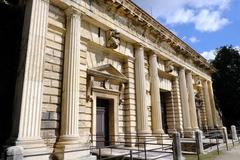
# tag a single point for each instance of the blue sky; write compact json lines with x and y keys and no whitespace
{"x":204,"y":24}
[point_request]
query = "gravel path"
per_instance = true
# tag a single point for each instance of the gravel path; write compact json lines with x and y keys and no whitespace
{"x":233,"y":154}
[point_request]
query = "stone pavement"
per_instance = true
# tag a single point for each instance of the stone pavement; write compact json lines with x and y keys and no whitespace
{"x":233,"y":154}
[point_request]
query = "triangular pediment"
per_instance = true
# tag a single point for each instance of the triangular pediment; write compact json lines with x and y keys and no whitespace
{"x":108,"y":70}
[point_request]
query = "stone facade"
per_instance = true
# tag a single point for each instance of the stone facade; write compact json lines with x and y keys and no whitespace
{"x":76,"y":52}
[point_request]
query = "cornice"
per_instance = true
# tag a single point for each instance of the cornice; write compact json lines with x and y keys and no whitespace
{"x":162,"y":33}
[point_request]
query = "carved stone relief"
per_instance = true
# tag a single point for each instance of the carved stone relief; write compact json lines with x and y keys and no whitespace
{"x":169,"y":66}
{"x":113,"y":39}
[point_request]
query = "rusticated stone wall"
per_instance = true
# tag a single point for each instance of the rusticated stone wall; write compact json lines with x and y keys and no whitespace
{"x":52,"y":76}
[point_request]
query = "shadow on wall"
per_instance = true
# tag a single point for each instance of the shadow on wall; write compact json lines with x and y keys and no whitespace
{"x":11,"y":19}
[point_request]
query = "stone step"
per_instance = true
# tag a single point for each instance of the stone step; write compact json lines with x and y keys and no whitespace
{"x":90,"y":157}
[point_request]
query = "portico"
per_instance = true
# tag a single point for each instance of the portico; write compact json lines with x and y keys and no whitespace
{"x":105,"y":71}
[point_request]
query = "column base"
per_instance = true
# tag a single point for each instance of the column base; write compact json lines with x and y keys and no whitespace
{"x":29,"y":149}
{"x":188,"y":133}
{"x":69,"y":147}
{"x":160,"y":135}
{"x":163,"y":139}
{"x":158,"y":132}
{"x":71,"y":151}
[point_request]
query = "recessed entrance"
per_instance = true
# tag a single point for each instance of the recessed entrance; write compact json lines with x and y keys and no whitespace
{"x":164,"y":111}
{"x":102,"y":122}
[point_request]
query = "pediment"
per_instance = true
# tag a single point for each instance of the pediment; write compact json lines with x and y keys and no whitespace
{"x":107,"y":71}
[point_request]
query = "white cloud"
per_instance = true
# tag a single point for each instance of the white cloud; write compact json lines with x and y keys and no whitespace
{"x":207,"y":21}
{"x":206,"y":15}
{"x":181,"y":16}
{"x":238,"y":48}
{"x":209,"y":55}
{"x":193,"y":39}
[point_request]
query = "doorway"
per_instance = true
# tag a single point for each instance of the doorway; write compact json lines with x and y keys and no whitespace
{"x":102,"y":123}
{"x":164,"y":111}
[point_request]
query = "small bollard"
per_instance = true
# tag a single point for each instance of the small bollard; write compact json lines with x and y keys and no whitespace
{"x":177,"y":151}
{"x":199,"y":142}
{"x":14,"y":153}
{"x":234,"y":132}
{"x":225,"y":137}
{"x":131,"y":156}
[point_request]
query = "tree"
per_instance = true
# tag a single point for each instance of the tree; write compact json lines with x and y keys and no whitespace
{"x":226,"y":84}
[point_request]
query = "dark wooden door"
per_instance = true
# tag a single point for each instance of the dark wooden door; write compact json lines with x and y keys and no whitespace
{"x":102,"y":123}
{"x":164,"y":112}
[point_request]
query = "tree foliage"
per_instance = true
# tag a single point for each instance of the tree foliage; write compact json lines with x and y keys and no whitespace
{"x":226,"y":84}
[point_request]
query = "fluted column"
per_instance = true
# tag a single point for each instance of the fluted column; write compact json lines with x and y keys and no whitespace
{"x":191,"y":98}
{"x":142,"y":111}
{"x":69,"y":113}
{"x":155,"y":95}
{"x":28,"y":95}
{"x":33,"y":47}
{"x":214,"y":111}
{"x":185,"y":105}
{"x":208,"y":104}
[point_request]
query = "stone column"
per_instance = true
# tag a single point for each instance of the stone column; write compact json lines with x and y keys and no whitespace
{"x":185,"y":106}
{"x":214,"y":111}
{"x":208,"y":105}
{"x":191,"y":98}
{"x":155,"y":95}
{"x":142,"y":111}
{"x":28,"y":96}
{"x":69,"y":132}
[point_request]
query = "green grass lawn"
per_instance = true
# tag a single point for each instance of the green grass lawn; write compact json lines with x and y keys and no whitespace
{"x":209,"y":156}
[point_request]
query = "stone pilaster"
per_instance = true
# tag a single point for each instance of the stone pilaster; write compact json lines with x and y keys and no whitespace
{"x":191,"y":98}
{"x":130,"y":100}
{"x":28,"y":98}
{"x":214,"y":111}
{"x":203,"y":110}
{"x":185,"y":105}
{"x":208,"y":105}
{"x":177,"y":105}
{"x":142,"y":111}
{"x":155,"y":95}
{"x":69,"y":133}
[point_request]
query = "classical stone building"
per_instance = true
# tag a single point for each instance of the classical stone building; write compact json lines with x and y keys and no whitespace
{"x":107,"y":68}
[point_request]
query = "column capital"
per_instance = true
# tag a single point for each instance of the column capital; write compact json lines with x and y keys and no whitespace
{"x":138,"y":45}
{"x":189,"y":71}
{"x":153,"y":53}
{"x":72,"y":10}
{"x":204,"y":80}
{"x":181,"y":68}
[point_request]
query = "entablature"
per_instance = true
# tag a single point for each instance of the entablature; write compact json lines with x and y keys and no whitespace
{"x":160,"y":32}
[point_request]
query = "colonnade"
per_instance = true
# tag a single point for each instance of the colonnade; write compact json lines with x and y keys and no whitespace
{"x":186,"y":83}
{"x":28,"y":132}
